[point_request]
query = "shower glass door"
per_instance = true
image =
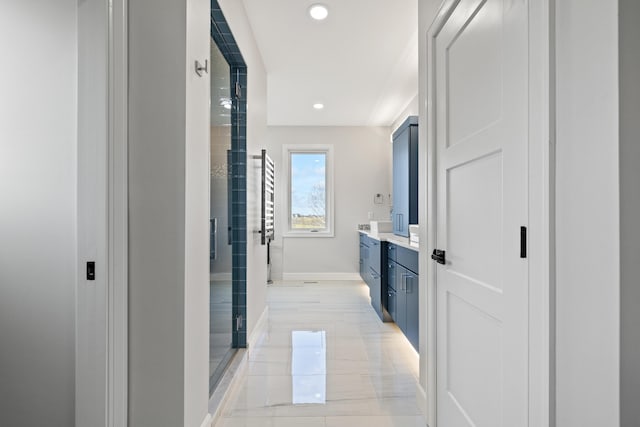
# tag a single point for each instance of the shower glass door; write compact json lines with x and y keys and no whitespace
{"x":220,"y":259}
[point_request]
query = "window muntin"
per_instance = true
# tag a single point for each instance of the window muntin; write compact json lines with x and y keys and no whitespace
{"x":309,"y":196}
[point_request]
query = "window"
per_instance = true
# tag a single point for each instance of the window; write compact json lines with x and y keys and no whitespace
{"x":310,"y":191}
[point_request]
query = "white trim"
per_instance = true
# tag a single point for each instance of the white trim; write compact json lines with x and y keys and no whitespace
{"x":92,"y":334}
{"x":208,"y":421}
{"x":101,"y":362}
{"x":321,"y":277}
{"x":287,"y":149}
{"x":259,"y":330}
{"x":540,"y":214}
{"x":421,"y":400}
{"x":117,"y":311}
{"x":541,"y":208}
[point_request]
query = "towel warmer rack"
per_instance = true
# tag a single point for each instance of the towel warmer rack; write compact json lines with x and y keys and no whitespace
{"x":268,"y":199}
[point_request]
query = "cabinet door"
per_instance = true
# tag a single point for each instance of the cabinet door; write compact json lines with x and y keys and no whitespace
{"x":401,"y":183}
{"x":401,"y":298}
{"x":391,"y":303}
{"x":411,"y":290}
{"x":375,"y":290}
{"x":375,"y":254}
{"x":365,"y":263}
{"x":363,"y":271}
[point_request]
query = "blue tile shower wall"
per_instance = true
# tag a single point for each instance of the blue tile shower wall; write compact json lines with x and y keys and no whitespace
{"x":221,"y":34}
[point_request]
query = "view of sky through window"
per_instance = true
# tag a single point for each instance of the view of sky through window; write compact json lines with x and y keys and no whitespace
{"x":308,"y":190}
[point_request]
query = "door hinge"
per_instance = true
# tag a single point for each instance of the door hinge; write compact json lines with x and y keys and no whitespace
{"x":523,"y":242}
{"x":238,"y":90}
{"x":239,"y":322}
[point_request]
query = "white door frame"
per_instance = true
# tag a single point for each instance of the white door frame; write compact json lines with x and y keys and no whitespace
{"x":541,"y":208}
{"x":118,"y":208}
{"x":101,"y":305}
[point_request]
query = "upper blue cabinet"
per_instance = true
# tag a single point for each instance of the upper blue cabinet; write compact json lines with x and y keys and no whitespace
{"x":405,"y":176}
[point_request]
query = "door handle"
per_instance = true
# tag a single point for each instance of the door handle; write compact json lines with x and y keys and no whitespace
{"x":439,"y":256}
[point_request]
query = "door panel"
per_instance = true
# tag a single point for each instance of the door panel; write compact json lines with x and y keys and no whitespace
{"x":481,"y":156}
{"x":474,"y":372}
{"x":475,"y":103}
{"x":476,"y":186}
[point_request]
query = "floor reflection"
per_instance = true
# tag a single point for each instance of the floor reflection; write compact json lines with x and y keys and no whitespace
{"x":308,"y":367}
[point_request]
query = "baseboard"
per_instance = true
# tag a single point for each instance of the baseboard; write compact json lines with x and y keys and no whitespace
{"x":229,"y":385}
{"x":320,"y":276}
{"x":259,"y":329}
{"x":220,"y":277}
{"x":208,"y":421}
{"x":421,"y":400}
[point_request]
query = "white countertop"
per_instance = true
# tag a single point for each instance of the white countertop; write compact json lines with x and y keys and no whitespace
{"x":392,"y":238}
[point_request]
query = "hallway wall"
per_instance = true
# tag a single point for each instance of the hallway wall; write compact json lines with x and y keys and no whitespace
{"x":168,"y":213}
{"x":587,"y":214}
{"x":362,"y":168}
{"x":38,"y":145}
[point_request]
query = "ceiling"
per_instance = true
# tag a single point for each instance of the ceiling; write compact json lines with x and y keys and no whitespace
{"x":361,"y":62}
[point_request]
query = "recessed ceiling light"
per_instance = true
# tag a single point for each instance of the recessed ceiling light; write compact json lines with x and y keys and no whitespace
{"x":318,"y":106}
{"x":318,"y":11}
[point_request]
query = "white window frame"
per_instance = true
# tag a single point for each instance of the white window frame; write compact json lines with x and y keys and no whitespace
{"x":326,"y":149}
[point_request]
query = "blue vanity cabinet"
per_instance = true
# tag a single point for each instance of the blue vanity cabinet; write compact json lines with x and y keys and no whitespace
{"x":364,"y":256}
{"x":374,"y":272}
{"x":405,"y":176}
{"x":403,"y":291}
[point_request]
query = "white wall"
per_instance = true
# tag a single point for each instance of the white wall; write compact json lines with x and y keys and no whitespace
{"x":256,"y":136}
{"x":168,"y":215}
{"x":196,"y":241}
{"x":361,"y":170}
{"x":629,"y":212}
{"x":38,"y":83}
{"x":587,"y":214}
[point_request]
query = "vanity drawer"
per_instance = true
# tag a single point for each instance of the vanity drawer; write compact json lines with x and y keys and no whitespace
{"x":407,"y":258}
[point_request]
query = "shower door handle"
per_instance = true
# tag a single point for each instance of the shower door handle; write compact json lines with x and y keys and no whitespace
{"x":213,"y":238}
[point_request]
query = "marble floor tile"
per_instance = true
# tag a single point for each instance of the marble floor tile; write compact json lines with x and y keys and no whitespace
{"x":326,"y":360}
{"x":375,"y":421}
{"x":272,"y":422}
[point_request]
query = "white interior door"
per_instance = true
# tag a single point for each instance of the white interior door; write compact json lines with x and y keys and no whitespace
{"x":481,"y":78}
